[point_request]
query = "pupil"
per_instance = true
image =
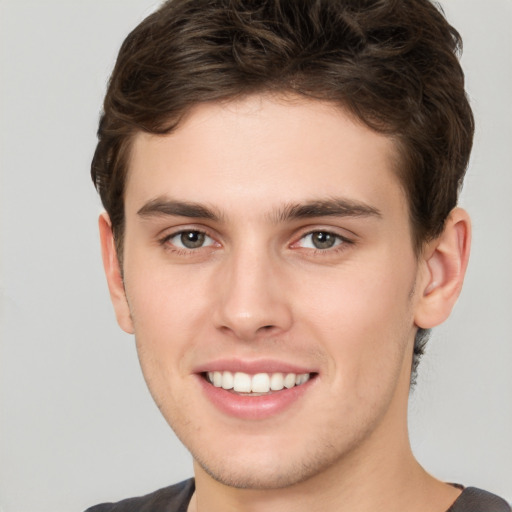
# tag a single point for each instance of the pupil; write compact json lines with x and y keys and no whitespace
{"x":192,"y":239}
{"x":323,"y":240}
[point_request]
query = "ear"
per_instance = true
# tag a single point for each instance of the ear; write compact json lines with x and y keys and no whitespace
{"x":113,"y":274}
{"x":444,"y":262}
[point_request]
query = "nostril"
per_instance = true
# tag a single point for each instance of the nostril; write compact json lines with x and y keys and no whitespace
{"x":266,"y":328}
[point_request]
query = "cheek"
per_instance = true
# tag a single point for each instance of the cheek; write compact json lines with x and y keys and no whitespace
{"x":166,"y":316}
{"x":163,"y":297}
{"x":167,"y":308}
{"x":363,"y":315}
{"x":359,"y":294}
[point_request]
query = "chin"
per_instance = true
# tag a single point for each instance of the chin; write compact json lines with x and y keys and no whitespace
{"x":266,"y":478}
{"x":265,"y":470}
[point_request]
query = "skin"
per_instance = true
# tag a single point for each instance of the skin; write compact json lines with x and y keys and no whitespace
{"x":259,"y":288}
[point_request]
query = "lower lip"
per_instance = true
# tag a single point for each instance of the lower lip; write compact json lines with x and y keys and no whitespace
{"x":253,"y":407}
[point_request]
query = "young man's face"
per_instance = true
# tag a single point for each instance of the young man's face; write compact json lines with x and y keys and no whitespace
{"x":271,"y":237}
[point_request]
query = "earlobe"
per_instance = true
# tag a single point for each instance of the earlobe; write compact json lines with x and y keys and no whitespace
{"x":114,"y":275}
{"x":444,"y":261}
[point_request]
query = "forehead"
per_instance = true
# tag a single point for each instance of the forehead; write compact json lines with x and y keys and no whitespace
{"x":265,"y":150}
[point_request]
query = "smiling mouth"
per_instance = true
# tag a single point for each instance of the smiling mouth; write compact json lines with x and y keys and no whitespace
{"x":257,"y":384}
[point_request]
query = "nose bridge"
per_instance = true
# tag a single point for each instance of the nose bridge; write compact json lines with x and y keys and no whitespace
{"x":251,"y":295}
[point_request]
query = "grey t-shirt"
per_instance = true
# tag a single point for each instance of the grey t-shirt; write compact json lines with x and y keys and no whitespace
{"x":177,"y":497}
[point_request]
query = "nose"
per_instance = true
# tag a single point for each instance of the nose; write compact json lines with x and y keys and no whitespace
{"x":252,"y":299}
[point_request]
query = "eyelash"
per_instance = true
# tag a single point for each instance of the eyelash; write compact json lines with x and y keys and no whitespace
{"x":341,"y":242}
{"x":183,"y":250}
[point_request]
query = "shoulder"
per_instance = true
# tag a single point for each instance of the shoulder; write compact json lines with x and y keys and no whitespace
{"x":476,"y":500}
{"x":169,"y":499}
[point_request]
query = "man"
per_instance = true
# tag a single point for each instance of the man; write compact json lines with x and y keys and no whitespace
{"x":280,"y":181}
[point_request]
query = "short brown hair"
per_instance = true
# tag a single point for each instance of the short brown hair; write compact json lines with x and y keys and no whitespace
{"x":391,"y":63}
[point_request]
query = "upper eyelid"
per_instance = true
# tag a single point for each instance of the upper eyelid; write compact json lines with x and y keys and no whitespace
{"x":170,"y":232}
{"x":342,"y":240}
{"x":165,"y":238}
{"x":329,"y":231}
{"x":347,"y":235}
{"x":325,"y":231}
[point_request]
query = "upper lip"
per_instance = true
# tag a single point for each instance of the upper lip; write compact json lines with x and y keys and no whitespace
{"x":253,"y":366}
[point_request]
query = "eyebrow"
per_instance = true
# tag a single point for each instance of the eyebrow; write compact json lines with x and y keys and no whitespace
{"x":332,"y":207}
{"x":162,"y":206}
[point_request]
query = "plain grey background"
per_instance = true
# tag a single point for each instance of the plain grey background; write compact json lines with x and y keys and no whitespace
{"x":77,"y":424}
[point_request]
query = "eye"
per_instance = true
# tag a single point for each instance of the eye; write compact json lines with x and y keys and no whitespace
{"x":190,"y":239}
{"x":320,"y":240}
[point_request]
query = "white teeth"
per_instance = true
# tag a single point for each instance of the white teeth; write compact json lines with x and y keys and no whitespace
{"x":259,"y":383}
{"x":289,"y":380}
{"x":217,"y":379}
{"x":301,"y":379}
{"x":276,"y":382}
{"x":227,"y":380}
{"x":242,"y":382}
